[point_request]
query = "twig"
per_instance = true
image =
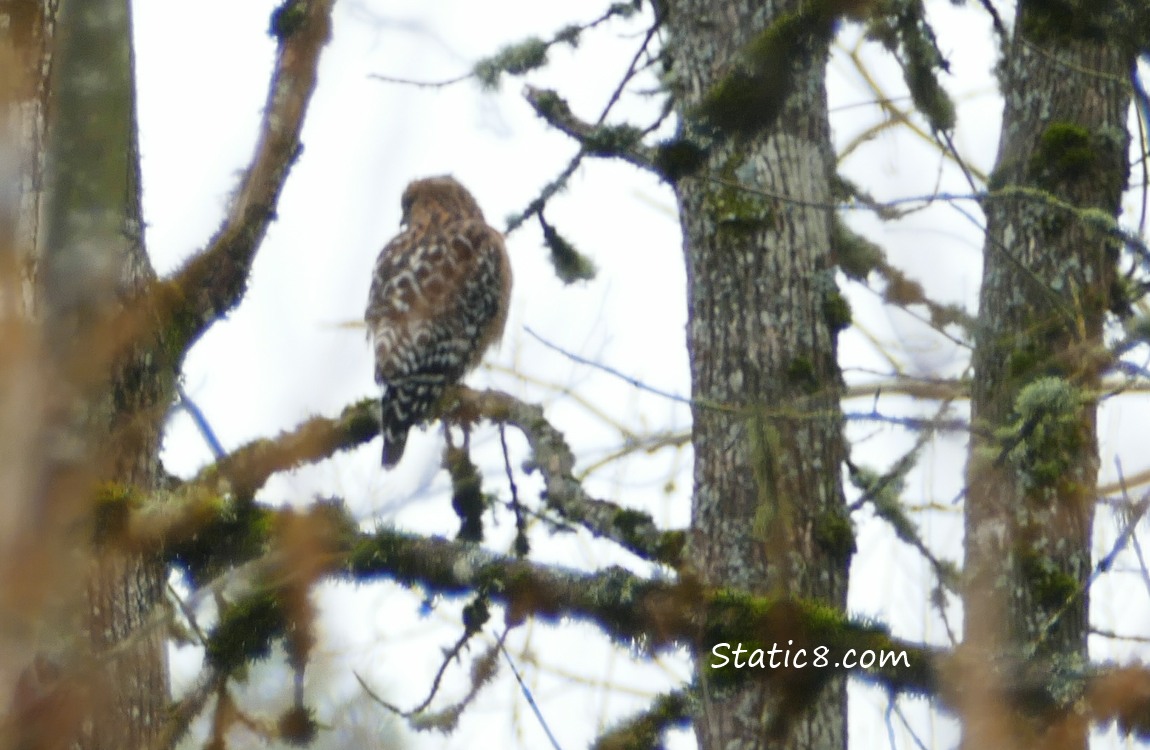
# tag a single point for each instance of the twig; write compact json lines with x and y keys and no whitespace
{"x":448,"y":657}
{"x":516,"y":507}
{"x":1137,"y":512}
{"x":201,"y":422}
{"x":530,"y":698}
{"x":610,"y":370}
{"x":547,"y":193}
{"x":423,"y":84}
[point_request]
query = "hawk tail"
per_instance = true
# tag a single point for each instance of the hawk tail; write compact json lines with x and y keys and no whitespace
{"x":394,"y":440}
{"x":405,"y":404}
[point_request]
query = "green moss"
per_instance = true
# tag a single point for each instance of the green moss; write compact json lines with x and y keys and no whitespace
{"x":855,"y":254}
{"x":1063,"y":21}
{"x":1052,"y":588}
{"x":361,"y":421}
{"x":1024,"y":359}
{"x":287,"y":19}
{"x":246,"y":631}
{"x":669,"y":549}
{"x":734,"y":208}
{"x":837,"y":311}
{"x":569,"y":35}
{"x":371,"y":554}
{"x":903,"y":29}
{"x":1046,"y":431}
{"x":238,"y":533}
{"x":999,"y":176}
{"x":826,"y":622}
{"x":801,"y":372}
{"x":835,"y":533}
{"x":646,"y":730}
{"x":772,"y":513}
{"x":612,"y":140}
{"x":172,"y":307}
{"x":752,"y":95}
{"x":514,"y":59}
{"x":733,"y":616}
{"x":476,"y":614}
{"x":467,"y":499}
{"x":628,"y":521}
{"x":550,"y":105}
{"x":570,"y":264}
{"x":678,"y":158}
{"x":1064,"y":152}
{"x":113,"y":506}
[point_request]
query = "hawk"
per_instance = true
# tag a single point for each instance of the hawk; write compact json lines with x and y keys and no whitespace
{"x":438,"y":300}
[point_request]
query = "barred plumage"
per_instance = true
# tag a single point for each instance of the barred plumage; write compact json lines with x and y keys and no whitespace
{"x":438,"y":299}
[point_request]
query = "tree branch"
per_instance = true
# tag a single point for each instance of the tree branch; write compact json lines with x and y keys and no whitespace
{"x":660,"y":614}
{"x":240,"y":474}
{"x":552,"y":457}
{"x":192,"y":506}
{"x":214,"y":281}
{"x":619,"y":141}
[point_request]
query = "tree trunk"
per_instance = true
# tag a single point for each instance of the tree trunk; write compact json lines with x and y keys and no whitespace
{"x":99,"y":679}
{"x":764,"y":310}
{"x":1047,"y":282}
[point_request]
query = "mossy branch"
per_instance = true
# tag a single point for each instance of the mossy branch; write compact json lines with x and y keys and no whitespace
{"x":632,"y":529}
{"x":646,"y":729}
{"x":607,"y":141}
{"x":654,"y":615}
{"x":246,"y":469}
{"x":531,"y":54}
{"x":211,"y":497}
{"x":651,"y":615}
{"x":214,"y":281}
{"x":906,"y":33}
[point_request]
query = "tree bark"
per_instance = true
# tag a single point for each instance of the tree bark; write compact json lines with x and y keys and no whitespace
{"x":99,"y":675}
{"x":1047,"y":284}
{"x":768,"y":511}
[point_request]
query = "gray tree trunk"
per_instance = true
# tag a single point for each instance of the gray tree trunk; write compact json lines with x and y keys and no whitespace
{"x":768,"y":513}
{"x":1047,"y":283}
{"x":99,"y":678}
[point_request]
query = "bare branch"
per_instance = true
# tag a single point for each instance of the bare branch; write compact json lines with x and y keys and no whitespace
{"x":214,"y":281}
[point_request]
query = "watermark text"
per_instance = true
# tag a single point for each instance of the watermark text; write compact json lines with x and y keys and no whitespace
{"x":818,"y":657}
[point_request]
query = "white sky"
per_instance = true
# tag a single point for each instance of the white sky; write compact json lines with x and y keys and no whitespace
{"x":296,"y":348}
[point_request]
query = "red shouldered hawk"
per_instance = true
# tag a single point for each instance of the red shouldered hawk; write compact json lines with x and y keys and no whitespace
{"x":438,"y":299}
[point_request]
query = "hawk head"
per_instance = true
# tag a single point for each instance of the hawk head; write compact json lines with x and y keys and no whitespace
{"x":434,"y":199}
